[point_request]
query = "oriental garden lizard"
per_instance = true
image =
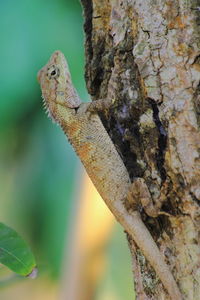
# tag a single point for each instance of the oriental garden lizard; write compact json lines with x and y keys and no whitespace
{"x":100,"y":158}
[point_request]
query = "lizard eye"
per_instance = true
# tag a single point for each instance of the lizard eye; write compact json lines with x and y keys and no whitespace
{"x":53,"y":72}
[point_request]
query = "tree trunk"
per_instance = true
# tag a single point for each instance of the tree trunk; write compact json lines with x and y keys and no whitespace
{"x":145,"y":56}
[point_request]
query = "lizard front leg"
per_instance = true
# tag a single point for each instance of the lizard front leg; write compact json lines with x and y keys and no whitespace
{"x":95,"y":106}
{"x":100,"y":105}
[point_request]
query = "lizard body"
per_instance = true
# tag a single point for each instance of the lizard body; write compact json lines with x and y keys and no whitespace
{"x":98,"y":154}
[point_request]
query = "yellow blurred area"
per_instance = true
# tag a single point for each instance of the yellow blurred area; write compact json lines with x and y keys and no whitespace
{"x":91,"y":231}
{"x":38,"y":289}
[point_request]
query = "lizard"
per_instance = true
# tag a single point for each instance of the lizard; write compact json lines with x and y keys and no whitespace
{"x":100,"y":158}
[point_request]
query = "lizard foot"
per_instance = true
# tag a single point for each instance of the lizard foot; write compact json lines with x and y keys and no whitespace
{"x":139,"y":193}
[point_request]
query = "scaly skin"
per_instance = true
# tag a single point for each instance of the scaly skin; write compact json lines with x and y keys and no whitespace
{"x":102,"y":162}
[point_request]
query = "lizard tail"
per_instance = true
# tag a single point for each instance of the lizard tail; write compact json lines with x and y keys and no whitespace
{"x":134,"y":225}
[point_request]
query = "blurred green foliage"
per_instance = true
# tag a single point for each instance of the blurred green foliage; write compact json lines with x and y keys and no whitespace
{"x":37,"y":167}
{"x":15,"y":253}
{"x":37,"y":164}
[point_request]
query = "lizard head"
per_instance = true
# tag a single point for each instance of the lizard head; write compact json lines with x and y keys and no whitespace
{"x":56,"y":85}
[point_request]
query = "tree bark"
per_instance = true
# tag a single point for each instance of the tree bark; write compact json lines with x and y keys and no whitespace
{"x":145,"y":55}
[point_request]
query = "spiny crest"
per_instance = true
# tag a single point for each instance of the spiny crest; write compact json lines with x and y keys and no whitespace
{"x":48,"y":111}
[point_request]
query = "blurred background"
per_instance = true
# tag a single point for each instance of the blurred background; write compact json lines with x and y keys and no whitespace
{"x":45,"y":195}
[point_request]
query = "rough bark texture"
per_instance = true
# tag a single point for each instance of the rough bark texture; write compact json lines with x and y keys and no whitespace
{"x":145,"y":54}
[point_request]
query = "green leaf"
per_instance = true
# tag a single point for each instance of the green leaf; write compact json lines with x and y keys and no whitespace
{"x":15,"y":253}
